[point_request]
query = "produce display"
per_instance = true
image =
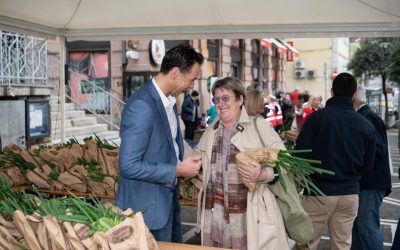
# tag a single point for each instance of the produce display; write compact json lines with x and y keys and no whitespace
{"x":91,"y":167}
{"x":29,"y":221}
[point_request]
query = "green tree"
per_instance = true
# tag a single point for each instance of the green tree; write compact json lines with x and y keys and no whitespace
{"x":395,"y":62}
{"x":373,"y":59}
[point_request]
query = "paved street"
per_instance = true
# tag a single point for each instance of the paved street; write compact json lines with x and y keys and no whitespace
{"x":390,"y":209}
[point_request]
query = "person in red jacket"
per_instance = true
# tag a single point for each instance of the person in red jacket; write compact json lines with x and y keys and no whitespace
{"x":314,"y":103}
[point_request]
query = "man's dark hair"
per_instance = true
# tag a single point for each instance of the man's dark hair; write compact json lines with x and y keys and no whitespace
{"x":344,"y":84}
{"x":195,"y":93}
{"x":181,"y":56}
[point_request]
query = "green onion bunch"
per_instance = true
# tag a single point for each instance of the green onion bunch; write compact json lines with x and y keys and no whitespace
{"x":11,"y":201}
{"x":69,"y":143}
{"x":298,"y":170}
{"x":102,"y":143}
{"x":91,"y":166}
{"x":9,"y":158}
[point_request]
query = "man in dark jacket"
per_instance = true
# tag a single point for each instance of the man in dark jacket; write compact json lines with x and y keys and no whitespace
{"x":375,"y":185}
{"x":343,"y":141}
{"x":189,"y":113}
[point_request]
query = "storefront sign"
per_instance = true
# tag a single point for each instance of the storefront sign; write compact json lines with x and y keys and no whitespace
{"x":157,"y":51}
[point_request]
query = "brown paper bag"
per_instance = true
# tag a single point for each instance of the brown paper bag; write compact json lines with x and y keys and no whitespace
{"x":82,"y":234}
{"x":6,"y":234}
{"x":269,"y":155}
{"x":111,"y":159}
{"x":26,"y":230}
{"x":49,"y":155}
{"x":10,"y":227}
{"x":101,"y":240}
{"x":5,"y":177}
{"x":73,"y":182}
{"x":76,"y":151}
{"x":65,"y":158}
{"x":14,"y":174}
{"x":12,"y":147}
{"x":109,"y":185}
{"x":102,"y":162}
{"x":5,"y":244}
{"x":72,"y":237}
{"x":37,"y":178}
{"x":80,"y":171}
{"x":43,"y":236}
{"x":56,"y":184}
{"x":123,"y":236}
{"x":34,"y":220}
{"x":55,"y":232}
{"x":28,"y":157}
{"x":151,"y":241}
{"x":96,"y":187}
{"x":129,"y":235}
{"x":90,"y":150}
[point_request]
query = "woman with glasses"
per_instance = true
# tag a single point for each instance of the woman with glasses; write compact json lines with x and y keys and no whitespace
{"x":225,"y":221}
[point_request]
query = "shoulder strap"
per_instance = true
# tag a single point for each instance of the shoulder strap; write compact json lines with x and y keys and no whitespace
{"x":258,"y":132}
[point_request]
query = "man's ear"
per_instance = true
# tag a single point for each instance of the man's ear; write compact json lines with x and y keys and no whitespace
{"x":355,"y":95}
{"x":332,"y":92}
{"x":174,"y":73}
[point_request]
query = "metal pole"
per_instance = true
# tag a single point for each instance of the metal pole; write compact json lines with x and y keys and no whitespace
{"x":62,"y":87}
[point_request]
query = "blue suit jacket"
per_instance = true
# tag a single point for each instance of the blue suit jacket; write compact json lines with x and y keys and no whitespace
{"x":147,"y":159}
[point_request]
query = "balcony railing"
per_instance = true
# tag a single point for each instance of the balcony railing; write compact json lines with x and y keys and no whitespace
{"x":23,"y":60}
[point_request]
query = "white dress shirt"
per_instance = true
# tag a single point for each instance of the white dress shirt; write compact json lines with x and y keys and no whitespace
{"x":169,"y":103}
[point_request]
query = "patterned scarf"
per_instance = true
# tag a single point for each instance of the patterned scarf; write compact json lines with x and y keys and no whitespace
{"x":225,"y":212}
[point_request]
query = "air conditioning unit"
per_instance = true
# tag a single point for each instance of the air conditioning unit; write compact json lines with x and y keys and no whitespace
{"x":299,"y":64}
{"x":311,"y":74}
{"x":299,"y":74}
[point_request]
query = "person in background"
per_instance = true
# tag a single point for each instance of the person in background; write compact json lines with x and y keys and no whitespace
{"x":375,"y":185}
{"x":274,"y":115}
{"x":287,"y":111}
{"x":190,"y":114}
{"x":226,"y":199}
{"x":298,"y":111}
{"x":294,"y":96}
{"x":254,"y":102}
{"x":211,"y":113}
{"x":342,"y":140}
{"x":151,"y":151}
{"x":314,"y":103}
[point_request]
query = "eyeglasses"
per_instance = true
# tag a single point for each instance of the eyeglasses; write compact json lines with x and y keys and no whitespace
{"x":224,"y":98}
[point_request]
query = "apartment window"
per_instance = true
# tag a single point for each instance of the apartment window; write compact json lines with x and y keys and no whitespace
{"x":255,"y":60}
{"x":213,"y":57}
{"x":134,"y":80}
{"x":236,"y":55}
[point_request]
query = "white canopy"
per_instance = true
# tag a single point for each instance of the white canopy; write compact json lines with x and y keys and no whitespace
{"x":192,"y":19}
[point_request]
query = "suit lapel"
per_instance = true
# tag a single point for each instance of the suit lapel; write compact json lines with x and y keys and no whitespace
{"x":161,"y":111}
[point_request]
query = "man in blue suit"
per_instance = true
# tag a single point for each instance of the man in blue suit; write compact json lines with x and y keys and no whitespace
{"x":151,"y":152}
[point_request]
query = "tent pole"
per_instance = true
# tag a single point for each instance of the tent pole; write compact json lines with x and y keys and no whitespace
{"x":62,"y":87}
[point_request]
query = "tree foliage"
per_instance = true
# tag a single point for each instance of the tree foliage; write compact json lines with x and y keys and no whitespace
{"x":373,"y":58}
{"x":394,"y":67}
{"x":377,"y":58}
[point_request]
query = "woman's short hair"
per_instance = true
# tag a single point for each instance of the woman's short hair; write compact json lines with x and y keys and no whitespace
{"x":230,"y":83}
{"x":252,"y":101}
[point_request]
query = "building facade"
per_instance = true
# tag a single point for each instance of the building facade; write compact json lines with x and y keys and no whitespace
{"x":320,"y":60}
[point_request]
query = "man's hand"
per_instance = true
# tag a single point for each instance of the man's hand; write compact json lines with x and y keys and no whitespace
{"x":189,"y":167}
{"x":251,"y":172}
